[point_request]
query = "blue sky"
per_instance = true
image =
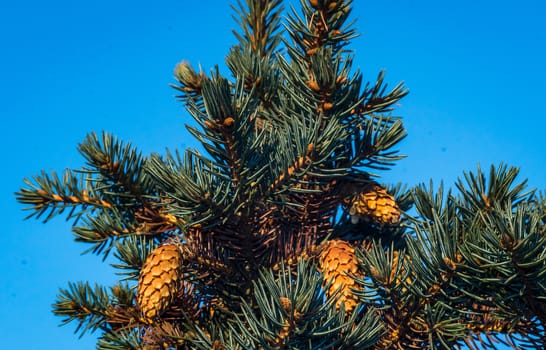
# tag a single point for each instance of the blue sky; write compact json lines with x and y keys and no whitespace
{"x":475,"y":70}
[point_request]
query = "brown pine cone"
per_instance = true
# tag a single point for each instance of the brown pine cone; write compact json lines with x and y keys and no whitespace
{"x":159,"y":280}
{"x":375,"y":204}
{"x":337,"y":261}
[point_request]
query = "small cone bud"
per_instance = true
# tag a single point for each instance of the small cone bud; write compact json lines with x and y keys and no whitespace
{"x":314,"y":3}
{"x":313,"y":85}
{"x":327,"y":106}
{"x":186,"y":75}
{"x":229,"y":121}
{"x":311,"y":52}
{"x":184,"y":71}
{"x":286,"y":304}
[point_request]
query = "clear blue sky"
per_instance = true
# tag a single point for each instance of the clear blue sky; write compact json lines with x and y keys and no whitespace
{"x":476,"y":71}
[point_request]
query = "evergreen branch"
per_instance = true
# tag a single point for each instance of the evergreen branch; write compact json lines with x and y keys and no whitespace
{"x":308,"y":156}
{"x":321,"y":82}
{"x":209,"y":337}
{"x":291,"y":157}
{"x":376,"y":100}
{"x":482,"y":266}
{"x":439,"y":224}
{"x":390,"y":276}
{"x":125,"y":339}
{"x":500,"y":189}
{"x":218,"y":102}
{"x":47,"y":193}
{"x":85,"y":304}
{"x":297,"y":167}
{"x":229,"y":134}
{"x":254,"y":61}
{"x":323,"y":25}
{"x":258,"y":76}
{"x":322,"y":86}
{"x":187,"y":76}
{"x":100,"y":222}
{"x":430,"y":201}
{"x":441,"y":326}
{"x":371,"y":146}
{"x":415,"y":288}
{"x":122,"y":296}
{"x":519,"y":237}
{"x":199,"y":189}
{"x":216,"y":116}
{"x":435,"y":252}
{"x":285,"y":308}
{"x":260,"y":25}
{"x":132,"y":252}
{"x":117,"y":167}
{"x":298,"y":79}
{"x":102,"y":229}
{"x":114,"y":162}
{"x":104,"y":193}
{"x":319,"y":71}
{"x":168,"y":335}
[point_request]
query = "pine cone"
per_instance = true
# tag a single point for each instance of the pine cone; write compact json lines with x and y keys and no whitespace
{"x":375,"y":205}
{"x":337,"y":261}
{"x":159,"y":280}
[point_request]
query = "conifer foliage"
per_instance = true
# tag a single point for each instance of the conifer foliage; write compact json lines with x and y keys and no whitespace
{"x":276,"y":232}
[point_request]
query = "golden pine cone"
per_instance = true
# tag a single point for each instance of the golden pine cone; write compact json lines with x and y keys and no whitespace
{"x":159,"y":280}
{"x":337,"y":261}
{"x":376,"y":205}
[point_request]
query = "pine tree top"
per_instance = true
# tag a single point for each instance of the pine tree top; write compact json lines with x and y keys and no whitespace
{"x":276,"y":233}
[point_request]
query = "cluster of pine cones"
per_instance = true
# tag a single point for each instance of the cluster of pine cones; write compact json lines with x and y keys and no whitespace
{"x":161,"y":275}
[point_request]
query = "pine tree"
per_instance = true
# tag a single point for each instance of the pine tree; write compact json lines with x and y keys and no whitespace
{"x":277,"y":234}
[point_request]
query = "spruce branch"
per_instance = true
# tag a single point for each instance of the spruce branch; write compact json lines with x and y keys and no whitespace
{"x":115,"y":167}
{"x":375,"y":99}
{"x":372,"y":142}
{"x":85,"y":304}
{"x":260,"y":25}
{"x":288,"y":304}
{"x":199,"y":190}
{"x":512,"y":251}
{"x":387,"y":276}
{"x":111,"y":197}
{"x":131,"y":253}
{"x":482,"y":194}
{"x":103,"y":229}
{"x":415,"y":288}
{"x":48,"y":193}
{"x":125,"y":339}
{"x":321,"y":25}
{"x":253,"y":62}
{"x":95,"y":308}
{"x":477,"y":261}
